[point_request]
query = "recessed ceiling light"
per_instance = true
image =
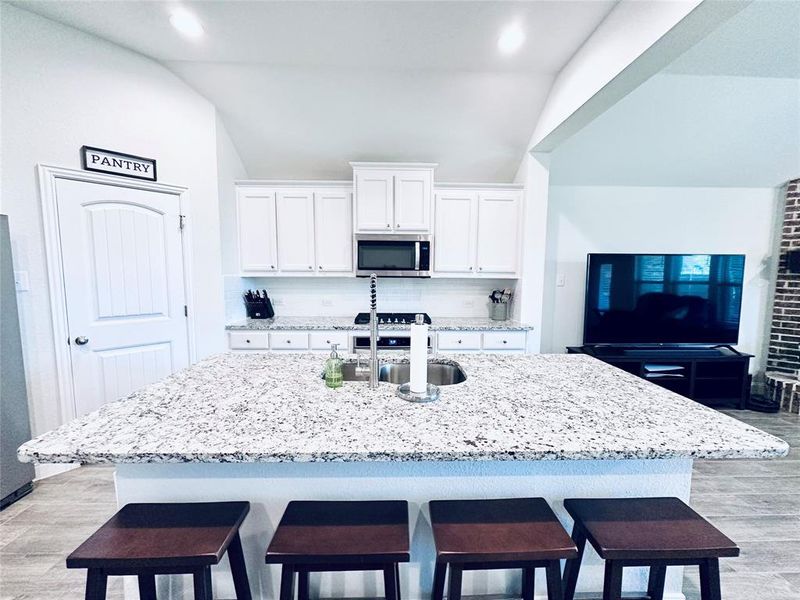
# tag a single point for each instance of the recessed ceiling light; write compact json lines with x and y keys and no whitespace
{"x":511,"y":39}
{"x":185,"y":22}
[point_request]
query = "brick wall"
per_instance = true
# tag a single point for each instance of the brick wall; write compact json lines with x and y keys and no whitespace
{"x":784,"y":341}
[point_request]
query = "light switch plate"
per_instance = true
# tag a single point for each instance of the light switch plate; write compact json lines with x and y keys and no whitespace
{"x":561,"y":280}
{"x":21,"y":281}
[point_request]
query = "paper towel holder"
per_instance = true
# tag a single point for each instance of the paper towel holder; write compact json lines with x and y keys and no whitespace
{"x":404,"y":392}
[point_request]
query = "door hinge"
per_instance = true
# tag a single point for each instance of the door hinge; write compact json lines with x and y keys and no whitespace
{"x":185,"y":311}
{"x":181,"y":222}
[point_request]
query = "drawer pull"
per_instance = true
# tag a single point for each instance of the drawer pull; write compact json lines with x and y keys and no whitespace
{"x":290,"y":341}
{"x":459,"y":341}
{"x":248,"y":341}
{"x":505,"y":342}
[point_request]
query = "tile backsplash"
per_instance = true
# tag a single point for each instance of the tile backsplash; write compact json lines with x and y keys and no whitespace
{"x":346,"y":296}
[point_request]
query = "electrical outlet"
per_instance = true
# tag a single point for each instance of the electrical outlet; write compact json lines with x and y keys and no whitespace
{"x":468,"y":304}
{"x":561,"y":280}
{"x":277,"y":302}
{"x":327,"y":302}
{"x":21,"y":281}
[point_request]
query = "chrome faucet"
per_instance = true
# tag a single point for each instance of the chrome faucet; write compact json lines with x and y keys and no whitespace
{"x":373,"y":331}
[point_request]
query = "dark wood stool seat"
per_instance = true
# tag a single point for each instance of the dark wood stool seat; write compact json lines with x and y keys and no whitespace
{"x":159,"y":539}
{"x":317,"y":536}
{"x":514,"y":533}
{"x":646,"y":532}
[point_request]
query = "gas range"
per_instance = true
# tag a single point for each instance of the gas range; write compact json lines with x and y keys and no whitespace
{"x":391,"y":318}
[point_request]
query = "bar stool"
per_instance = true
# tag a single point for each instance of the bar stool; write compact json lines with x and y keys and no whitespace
{"x":317,"y":536}
{"x":646,"y":532}
{"x":519,"y":533}
{"x":159,"y":539}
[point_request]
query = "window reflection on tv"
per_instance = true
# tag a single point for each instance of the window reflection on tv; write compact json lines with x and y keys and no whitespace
{"x":663,"y":298}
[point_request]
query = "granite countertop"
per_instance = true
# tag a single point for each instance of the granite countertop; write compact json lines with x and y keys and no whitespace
{"x":346,"y":324}
{"x":273,"y":407}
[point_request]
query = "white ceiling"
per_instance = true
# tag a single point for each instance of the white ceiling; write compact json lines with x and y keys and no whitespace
{"x":726,"y":113}
{"x":761,"y":41}
{"x":305,"y":87}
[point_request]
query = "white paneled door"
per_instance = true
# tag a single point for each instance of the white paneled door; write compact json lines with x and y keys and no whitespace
{"x":123,"y":277}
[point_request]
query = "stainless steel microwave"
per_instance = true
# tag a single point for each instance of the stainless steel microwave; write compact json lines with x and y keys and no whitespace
{"x":397,"y":255}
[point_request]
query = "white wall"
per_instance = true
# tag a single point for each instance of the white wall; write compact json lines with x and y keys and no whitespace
{"x":64,"y":89}
{"x":229,"y":169}
{"x":655,"y":219}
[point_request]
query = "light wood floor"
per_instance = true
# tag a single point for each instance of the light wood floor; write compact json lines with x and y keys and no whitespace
{"x":757,"y":503}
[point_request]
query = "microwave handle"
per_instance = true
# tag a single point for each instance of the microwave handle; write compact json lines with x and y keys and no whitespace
{"x":416,"y":255}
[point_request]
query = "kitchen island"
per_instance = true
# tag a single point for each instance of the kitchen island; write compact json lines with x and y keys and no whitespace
{"x":263,"y":427}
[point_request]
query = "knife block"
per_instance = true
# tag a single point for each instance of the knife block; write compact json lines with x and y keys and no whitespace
{"x":259,"y":310}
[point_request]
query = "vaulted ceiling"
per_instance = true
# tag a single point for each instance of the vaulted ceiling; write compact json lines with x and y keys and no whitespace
{"x":305,"y":87}
{"x":726,"y":113}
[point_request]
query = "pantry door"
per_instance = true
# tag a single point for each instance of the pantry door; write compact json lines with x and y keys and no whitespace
{"x":122,"y":265}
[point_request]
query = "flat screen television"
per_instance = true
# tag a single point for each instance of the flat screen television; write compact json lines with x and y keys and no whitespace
{"x":674,"y":299}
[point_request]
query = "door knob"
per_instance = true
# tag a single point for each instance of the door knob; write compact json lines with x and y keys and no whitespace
{"x":81,"y":340}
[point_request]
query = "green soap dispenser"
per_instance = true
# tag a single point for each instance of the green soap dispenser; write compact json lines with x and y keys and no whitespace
{"x":333,"y":369}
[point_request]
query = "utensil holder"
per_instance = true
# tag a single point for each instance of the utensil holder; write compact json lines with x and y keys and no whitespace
{"x":498,"y":311}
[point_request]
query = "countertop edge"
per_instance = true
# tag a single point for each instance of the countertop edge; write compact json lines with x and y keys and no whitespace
{"x":781,"y":450}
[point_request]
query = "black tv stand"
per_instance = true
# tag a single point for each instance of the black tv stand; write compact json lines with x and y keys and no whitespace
{"x":712,"y":375}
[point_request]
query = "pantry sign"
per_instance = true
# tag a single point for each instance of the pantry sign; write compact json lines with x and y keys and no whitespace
{"x":117,"y":163}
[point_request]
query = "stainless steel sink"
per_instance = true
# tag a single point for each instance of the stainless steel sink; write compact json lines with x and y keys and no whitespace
{"x":438,"y":373}
{"x":351,"y":373}
{"x":397,"y":373}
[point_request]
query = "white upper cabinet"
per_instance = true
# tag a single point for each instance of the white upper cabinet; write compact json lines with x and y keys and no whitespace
{"x":374,"y":191}
{"x":295,"y":225}
{"x":393,"y":197}
{"x":454,"y":236}
{"x":297,"y":229}
{"x":333,"y":222}
{"x":498,"y":232}
{"x":412,"y":200}
{"x":256,"y":223}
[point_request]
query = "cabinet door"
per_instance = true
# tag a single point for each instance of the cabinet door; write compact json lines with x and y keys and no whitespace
{"x":295,"y":218}
{"x":333,"y":227}
{"x":412,"y":200}
{"x":374,"y":199}
{"x":498,"y":232}
{"x":255,"y":213}
{"x":454,"y":239}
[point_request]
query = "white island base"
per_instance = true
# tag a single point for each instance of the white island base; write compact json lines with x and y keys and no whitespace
{"x":270,"y":486}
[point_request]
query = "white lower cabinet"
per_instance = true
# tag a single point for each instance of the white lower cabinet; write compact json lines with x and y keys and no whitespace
{"x":504,"y":340}
{"x":322,"y":340}
{"x":288,"y":340}
{"x":248,"y":340}
{"x":459,"y":341}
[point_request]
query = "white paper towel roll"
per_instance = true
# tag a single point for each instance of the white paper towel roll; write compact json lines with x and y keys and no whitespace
{"x":419,"y":359}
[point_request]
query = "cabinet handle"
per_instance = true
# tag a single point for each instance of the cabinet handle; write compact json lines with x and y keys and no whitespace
{"x":327,"y":341}
{"x":480,"y":268}
{"x":459,"y":341}
{"x":310,"y":267}
{"x":505,"y":342}
{"x":320,"y":267}
{"x":388,"y":226}
{"x":290,"y":341}
{"x":248,"y":341}
{"x":272,"y":266}
{"x":470,"y":268}
{"x":398,"y":225}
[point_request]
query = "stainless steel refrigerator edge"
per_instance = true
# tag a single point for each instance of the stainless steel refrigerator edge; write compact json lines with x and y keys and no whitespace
{"x":15,"y":428}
